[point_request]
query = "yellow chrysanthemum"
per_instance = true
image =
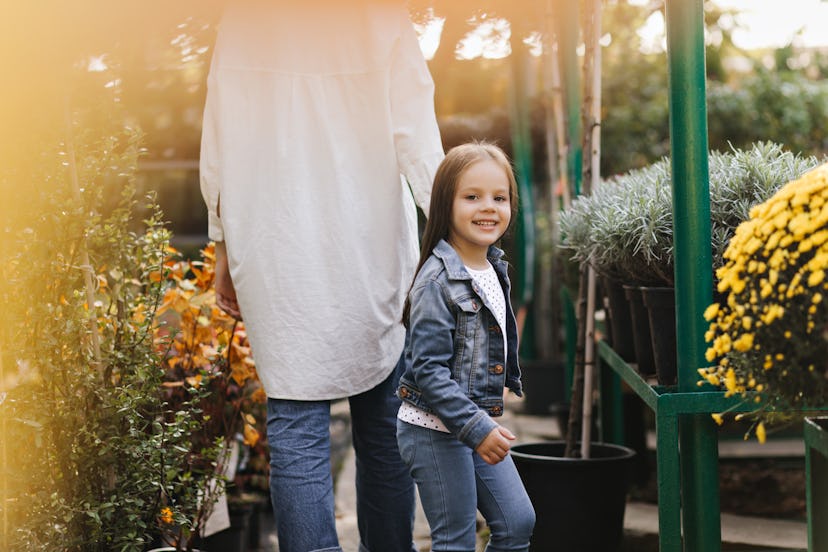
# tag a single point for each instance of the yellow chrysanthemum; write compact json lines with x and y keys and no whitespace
{"x":772,"y":326}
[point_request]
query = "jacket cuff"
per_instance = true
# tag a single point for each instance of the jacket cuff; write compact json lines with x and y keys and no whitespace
{"x":476,"y":429}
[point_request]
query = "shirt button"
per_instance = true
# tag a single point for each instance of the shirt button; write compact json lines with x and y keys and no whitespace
{"x":498,"y":369}
{"x":496,"y":410}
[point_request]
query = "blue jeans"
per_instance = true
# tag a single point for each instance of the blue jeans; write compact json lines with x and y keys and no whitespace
{"x":301,"y":485}
{"x":454,"y":482}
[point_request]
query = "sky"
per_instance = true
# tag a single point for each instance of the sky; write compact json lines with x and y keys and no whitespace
{"x":766,"y":24}
{"x":773,"y":23}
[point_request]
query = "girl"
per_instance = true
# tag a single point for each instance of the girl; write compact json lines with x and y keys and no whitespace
{"x":461,"y":350}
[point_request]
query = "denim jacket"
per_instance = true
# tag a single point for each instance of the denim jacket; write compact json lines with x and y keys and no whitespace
{"x":454,"y":347}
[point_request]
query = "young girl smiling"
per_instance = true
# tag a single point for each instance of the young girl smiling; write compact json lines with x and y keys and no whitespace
{"x":461,"y":352}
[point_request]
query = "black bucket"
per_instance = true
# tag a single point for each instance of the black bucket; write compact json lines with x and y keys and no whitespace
{"x":543,"y":386}
{"x":579,"y":503}
{"x":620,"y":325}
{"x":641,"y":331}
{"x":661,"y":310}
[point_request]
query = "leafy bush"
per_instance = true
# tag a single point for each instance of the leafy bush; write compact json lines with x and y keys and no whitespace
{"x":95,"y":458}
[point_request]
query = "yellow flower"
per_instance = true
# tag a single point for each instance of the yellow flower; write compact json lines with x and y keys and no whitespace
{"x":766,"y":331}
{"x":717,"y":418}
{"x":166,"y":515}
{"x":760,"y":432}
{"x":711,"y":312}
{"x":744,"y":343}
{"x":730,"y":381}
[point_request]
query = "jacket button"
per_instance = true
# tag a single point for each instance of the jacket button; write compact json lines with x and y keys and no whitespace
{"x":496,"y":410}
{"x":403,"y":392}
{"x":498,"y":369}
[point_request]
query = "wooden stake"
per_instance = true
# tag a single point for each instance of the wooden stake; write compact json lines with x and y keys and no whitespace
{"x":86,"y":264}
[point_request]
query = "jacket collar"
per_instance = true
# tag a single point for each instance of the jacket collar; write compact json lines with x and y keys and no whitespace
{"x":454,"y":265}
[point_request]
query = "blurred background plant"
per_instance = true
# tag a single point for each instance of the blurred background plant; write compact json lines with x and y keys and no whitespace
{"x":769,"y":337}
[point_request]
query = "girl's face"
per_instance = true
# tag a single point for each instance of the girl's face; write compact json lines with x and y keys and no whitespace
{"x":481,"y":211}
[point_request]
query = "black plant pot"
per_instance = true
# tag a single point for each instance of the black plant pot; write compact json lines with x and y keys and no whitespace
{"x":579,"y":503}
{"x":641,"y":331}
{"x":543,"y":386}
{"x":661,"y":311}
{"x":236,"y":537}
{"x":620,"y":324}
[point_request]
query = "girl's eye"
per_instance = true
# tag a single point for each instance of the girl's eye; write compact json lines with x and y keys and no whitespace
{"x":501,"y":198}
{"x":471,"y":197}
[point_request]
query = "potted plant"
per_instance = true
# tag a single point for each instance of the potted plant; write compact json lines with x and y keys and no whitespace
{"x":768,"y":338}
{"x":625,"y":227}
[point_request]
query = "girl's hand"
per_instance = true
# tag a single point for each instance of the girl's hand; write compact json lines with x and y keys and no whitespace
{"x":495,"y":446}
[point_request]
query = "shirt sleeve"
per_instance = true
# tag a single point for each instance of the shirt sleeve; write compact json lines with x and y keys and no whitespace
{"x":209,"y":167}
{"x":416,"y":134}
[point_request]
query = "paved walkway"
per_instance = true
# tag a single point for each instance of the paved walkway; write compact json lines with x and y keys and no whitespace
{"x":640,"y":522}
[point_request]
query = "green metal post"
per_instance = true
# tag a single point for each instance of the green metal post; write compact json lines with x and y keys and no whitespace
{"x":816,"y":482}
{"x":568,"y":25}
{"x":693,"y":262}
{"x":522,"y":158}
{"x":669,"y":490}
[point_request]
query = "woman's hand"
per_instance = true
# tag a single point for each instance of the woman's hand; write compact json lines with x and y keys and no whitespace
{"x":225,"y":292}
{"x":495,"y":446}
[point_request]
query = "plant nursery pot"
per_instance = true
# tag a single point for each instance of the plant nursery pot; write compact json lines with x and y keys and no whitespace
{"x":543,"y":385}
{"x":620,"y":324}
{"x":170,"y":549}
{"x":661,"y":310}
{"x":579,"y":502}
{"x":640,"y":323}
{"x":237,"y":536}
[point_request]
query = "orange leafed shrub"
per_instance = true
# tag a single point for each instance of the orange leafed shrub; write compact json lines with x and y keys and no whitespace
{"x":202,"y":345}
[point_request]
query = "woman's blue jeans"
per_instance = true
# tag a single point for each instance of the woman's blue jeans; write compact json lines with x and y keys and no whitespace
{"x":454,"y":482}
{"x":301,"y":485}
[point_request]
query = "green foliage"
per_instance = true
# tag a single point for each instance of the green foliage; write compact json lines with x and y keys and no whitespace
{"x":741,"y":179}
{"x":785,"y":107}
{"x":91,"y":451}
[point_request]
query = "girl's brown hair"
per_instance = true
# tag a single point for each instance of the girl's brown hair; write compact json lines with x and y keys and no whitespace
{"x":457,"y":160}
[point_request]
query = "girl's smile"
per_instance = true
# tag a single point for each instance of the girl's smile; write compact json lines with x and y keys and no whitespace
{"x":481,"y":211}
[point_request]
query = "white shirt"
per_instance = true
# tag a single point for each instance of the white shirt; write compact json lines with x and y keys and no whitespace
{"x":312,"y":115}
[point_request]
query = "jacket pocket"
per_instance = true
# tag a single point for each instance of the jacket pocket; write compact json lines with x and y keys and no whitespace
{"x":467,"y":343}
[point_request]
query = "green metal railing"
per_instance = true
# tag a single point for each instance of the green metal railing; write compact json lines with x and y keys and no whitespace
{"x":670,"y":406}
{"x":816,"y":477}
